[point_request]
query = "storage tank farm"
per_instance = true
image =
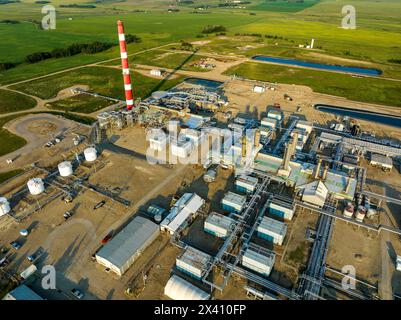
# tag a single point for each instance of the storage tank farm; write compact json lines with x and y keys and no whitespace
{"x":129,"y":97}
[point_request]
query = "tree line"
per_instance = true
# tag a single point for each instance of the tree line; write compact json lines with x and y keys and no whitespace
{"x":72,"y":50}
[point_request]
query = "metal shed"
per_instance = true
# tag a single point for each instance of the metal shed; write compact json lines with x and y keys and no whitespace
{"x":180,"y":289}
{"x":233,"y":202}
{"x":122,"y":251}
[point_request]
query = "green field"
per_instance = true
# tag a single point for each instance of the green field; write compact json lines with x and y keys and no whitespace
{"x":81,"y":103}
{"x":103,"y":80}
{"x":282,"y":5}
{"x":165,"y":59}
{"x":11,"y":101}
{"x":4,"y":176}
{"x":358,"y":89}
{"x":9,"y":142}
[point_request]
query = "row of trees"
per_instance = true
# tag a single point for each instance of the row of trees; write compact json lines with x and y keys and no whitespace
{"x":72,"y":50}
{"x":214,"y":29}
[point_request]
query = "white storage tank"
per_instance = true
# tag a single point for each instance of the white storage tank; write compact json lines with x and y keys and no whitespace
{"x":4,"y":206}
{"x":36,"y":186}
{"x":65,"y":168}
{"x":90,"y":154}
{"x":180,"y":289}
{"x":259,"y":259}
{"x":193,"y":262}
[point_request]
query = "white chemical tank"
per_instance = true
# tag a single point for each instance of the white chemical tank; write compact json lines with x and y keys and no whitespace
{"x":90,"y":154}
{"x":65,"y":168}
{"x":36,"y":186}
{"x":4,"y":206}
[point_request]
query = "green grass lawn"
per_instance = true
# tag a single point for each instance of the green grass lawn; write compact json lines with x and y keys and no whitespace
{"x":359,"y":89}
{"x":81,"y":103}
{"x":102,"y":80}
{"x":165,"y":59}
{"x":282,"y":5}
{"x":11,"y":101}
{"x":9,"y":142}
{"x":4,"y":176}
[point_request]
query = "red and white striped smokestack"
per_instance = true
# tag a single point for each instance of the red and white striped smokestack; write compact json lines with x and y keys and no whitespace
{"x":124,"y":62}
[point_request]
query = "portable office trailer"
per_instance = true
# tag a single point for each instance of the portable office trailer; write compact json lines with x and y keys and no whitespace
{"x":246,"y":184}
{"x":233,"y":202}
{"x":281,"y":209}
{"x":259,"y":260}
{"x":122,"y":251}
{"x":272,"y":230}
{"x":218,"y":225}
{"x":193,"y":262}
{"x":183,"y":210}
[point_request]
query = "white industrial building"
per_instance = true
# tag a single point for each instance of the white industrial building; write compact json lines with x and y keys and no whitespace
{"x":259,"y":89}
{"x":269,"y":122}
{"x":65,"y":168}
{"x":180,"y":289}
{"x":22,"y":292}
{"x":233,"y":202}
{"x":90,"y":154}
{"x":381,"y":161}
{"x":156,"y":72}
{"x":247,"y":184}
{"x":181,"y":148}
{"x":219,"y":225}
{"x":282,"y":209}
{"x":259,"y":259}
{"x":183,"y":210}
{"x":122,"y":251}
{"x":315,"y":193}
{"x":193,"y":262}
{"x":272,"y":230}
{"x":275,"y":114}
{"x":157,"y":140}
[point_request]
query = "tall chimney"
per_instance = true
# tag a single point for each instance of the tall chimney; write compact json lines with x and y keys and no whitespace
{"x":125,"y":67}
{"x":317,"y":170}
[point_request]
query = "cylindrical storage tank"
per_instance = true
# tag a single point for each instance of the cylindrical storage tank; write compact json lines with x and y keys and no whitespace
{"x":65,"y":168}
{"x":90,"y":154}
{"x":4,"y":206}
{"x":36,"y":186}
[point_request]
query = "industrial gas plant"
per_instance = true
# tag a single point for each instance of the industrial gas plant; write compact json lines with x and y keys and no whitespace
{"x":254,"y":220}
